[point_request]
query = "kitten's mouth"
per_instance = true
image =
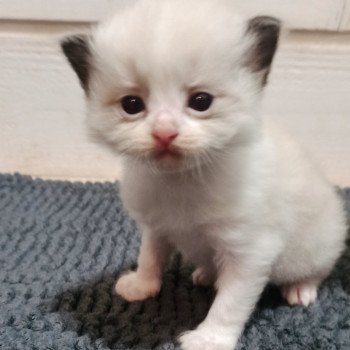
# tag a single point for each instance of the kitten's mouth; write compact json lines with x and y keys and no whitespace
{"x":167,"y":153}
{"x":167,"y":158}
{"x":170,"y":159}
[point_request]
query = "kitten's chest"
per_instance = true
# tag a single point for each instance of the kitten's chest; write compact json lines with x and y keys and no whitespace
{"x":172,"y":206}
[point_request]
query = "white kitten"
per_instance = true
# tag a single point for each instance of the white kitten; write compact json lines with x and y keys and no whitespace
{"x":174,"y":86}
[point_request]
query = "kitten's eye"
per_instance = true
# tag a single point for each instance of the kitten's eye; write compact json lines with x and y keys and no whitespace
{"x":200,"y":101}
{"x":132,"y":104}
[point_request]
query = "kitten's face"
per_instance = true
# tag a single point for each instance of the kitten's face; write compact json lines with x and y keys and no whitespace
{"x":170,"y":89}
{"x":176,"y":122}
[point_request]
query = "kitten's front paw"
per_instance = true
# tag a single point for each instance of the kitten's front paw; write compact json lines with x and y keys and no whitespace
{"x":132,"y":287}
{"x":199,"y":340}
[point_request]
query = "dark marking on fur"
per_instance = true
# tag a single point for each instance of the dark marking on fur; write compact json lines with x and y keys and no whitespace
{"x":77,"y":50}
{"x":266,"y":31}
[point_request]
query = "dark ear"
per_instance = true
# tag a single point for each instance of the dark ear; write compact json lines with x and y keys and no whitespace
{"x":77,"y":50}
{"x":264,"y":32}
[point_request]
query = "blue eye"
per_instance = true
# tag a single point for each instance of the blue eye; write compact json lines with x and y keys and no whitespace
{"x":132,"y":104}
{"x":200,"y":101}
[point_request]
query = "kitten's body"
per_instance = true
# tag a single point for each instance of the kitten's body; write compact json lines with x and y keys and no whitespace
{"x":268,"y":191}
{"x":235,"y":196}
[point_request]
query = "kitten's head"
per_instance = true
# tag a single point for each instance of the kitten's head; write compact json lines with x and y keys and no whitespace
{"x":173,"y":82}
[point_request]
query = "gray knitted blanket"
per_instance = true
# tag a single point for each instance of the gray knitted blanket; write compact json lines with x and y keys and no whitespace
{"x":63,"y":245}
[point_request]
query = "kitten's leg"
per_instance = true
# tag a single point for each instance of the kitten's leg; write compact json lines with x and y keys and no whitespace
{"x":303,"y":293}
{"x":145,"y":282}
{"x":239,"y":286}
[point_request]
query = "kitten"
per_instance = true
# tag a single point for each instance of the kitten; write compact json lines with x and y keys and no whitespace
{"x":174,"y":86}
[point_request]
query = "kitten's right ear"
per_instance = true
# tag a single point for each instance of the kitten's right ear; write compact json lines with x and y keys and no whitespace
{"x":77,"y":50}
{"x":264,"y":33}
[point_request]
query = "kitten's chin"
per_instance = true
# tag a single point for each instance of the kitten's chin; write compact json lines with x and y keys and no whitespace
{"x":167,"y":161}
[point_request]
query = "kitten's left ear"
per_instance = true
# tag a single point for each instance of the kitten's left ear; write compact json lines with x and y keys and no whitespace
{"x":264,"y":32}
{"x":77,"y":50}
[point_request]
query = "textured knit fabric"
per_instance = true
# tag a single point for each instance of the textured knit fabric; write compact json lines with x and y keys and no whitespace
{"x":63,"y":245}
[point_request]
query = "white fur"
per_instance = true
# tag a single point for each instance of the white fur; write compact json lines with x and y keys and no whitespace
{"x":243,"y":204}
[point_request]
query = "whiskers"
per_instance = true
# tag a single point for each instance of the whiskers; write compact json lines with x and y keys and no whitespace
{"x":153,"y":167}
{"x":194,"y":163}
{"x":202,"y":162}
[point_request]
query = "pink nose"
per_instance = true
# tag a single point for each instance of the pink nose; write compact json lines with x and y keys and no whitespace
{"x":164,"y":137}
